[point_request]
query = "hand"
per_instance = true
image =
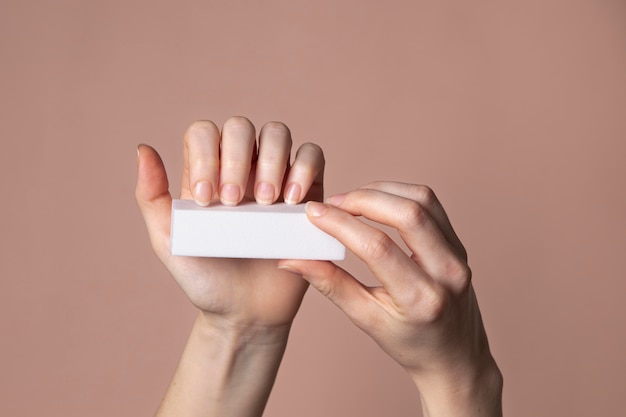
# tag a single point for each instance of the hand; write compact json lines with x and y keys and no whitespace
{"x":232,"y":167}
{"x":424,"y":314}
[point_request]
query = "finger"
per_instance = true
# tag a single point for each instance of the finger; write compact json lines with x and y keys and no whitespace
{"x":306,"y":175}
{"x":400,"y":276}
{"x":426,"y":197}
{"x":201,"y":162}
{"x":153,"y":198}
{"x":274,"y":151}
{"x":238,"y":141}
{"x":420,"y":232}
{"x":338,"y":286}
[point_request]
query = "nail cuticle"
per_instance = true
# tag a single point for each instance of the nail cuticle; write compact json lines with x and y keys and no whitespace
{"x":230,"y":194}
{"x":289,"y":269}
{"x":292,"y":194}
{"x":336,"y":200}
{"x":202,"y":193}
{"x":265,"y":193}
{"x":316,"y":209}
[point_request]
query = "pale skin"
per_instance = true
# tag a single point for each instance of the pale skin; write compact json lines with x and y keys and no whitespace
{"x":423,"y":314}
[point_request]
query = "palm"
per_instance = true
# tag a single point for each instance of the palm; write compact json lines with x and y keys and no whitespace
{"x":239,"y":288}
{"x":248,"y":291}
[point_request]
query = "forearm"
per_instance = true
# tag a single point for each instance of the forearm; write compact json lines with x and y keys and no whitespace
{"x":224,"y":371}
{"x":467,"y":393}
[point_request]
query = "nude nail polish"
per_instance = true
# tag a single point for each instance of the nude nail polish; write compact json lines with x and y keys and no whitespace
{"x":316,"y":209}
{"x":230,"y":194}
{"x":292,"y":194}
{"x":265,"y":193}
{"x":203,"y":193}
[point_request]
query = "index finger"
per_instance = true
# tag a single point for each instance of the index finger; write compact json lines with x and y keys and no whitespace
{"x":430,"y":249}
{"x":426,"y":197}
{"x":403,"y":279}
{"x":201,"y":162}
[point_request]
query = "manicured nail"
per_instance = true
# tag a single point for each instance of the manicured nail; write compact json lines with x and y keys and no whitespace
{"x":292,"y":194}
{"x":335,"y":200}
{"x":203,"y":193}
{"x":265,"y":193}
{"x":289,"y":268}
{"x":229,"y":194}
{"x":315,"y":209}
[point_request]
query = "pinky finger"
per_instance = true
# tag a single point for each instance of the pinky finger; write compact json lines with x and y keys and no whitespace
{"x":306,"y":175}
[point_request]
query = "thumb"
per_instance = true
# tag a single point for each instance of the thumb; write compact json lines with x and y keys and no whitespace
{"x":153,"y":197}
{"x":335,"y":283}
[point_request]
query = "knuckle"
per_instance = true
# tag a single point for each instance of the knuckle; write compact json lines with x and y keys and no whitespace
{"x":434,"y":305}
{"x":325,"y":283}
{"x":325,"y":288}
{"x":378,"y":246}
{"x":238,"y":122}
{"x":200,"y":129}
{"x":424,"y":195}
{"x":373,"y":185}
{"x":269,"y":163}
{"x":407,"y":305}
{"x":412,"y":214}
{"x":459,"y":273}
{"x":274,"y":143}
{"x":309,"y":159}
{"x":311,"y":148}
{"x":276,"y":128}
{"x":234,"y":163}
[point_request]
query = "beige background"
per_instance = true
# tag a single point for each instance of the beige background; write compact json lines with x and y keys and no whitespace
{"x":515,"y":112}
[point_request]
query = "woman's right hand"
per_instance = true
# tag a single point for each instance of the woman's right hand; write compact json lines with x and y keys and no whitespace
{"x":424,"y":314}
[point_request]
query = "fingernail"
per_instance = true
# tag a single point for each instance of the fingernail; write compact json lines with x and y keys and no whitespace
{"x":315,"y":209}
{"x":335,"y":200}
{"x":229,"y":194}
{"x":265,"y":193}
{"x":290,"y":268}
{"x":292,"y":194}
{"x":202,"y":193}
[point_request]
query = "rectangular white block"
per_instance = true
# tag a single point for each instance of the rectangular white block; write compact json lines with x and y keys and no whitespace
{"x":249,"y":230}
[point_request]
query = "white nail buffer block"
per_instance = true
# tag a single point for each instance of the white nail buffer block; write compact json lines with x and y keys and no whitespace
{"x":249,"y":230}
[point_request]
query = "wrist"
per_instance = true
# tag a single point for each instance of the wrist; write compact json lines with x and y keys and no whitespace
{"x":238,"y":334}
{"x":227,"y":369}
{"x":470,"y":391}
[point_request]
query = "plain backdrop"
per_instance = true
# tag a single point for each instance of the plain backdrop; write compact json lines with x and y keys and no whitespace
{"x":513,"y":111}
